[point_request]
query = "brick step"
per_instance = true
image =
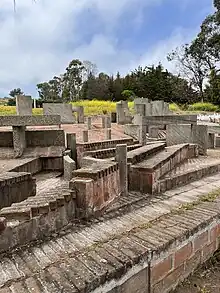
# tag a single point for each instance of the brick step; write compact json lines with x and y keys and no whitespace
{"x":110,"y":152}
{"x":88,"y":258}
{"x":42,"y":203}
{"x":144,"y":175}
{"x":193,"y":170}
{"x":144,"y":152}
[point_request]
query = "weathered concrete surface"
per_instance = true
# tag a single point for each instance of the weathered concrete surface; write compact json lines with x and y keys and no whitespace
{"x":30,"y":120}
{"x":23,"y":105}
{"x":64,"y":110}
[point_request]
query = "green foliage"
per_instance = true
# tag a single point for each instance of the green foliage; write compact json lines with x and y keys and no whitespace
{"x":127,"y":94}
{"x":15,"y":92}
{"x":206,"y":107}
{"x":11,"y":102}
{"x":174,"y":107}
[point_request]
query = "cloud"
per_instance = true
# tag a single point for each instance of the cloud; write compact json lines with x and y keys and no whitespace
{"x":39,"y":40}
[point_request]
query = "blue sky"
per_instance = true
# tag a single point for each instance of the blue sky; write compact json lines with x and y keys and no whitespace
{"x":39,"y":40}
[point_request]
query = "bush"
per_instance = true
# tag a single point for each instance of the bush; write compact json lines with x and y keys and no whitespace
{"x":206,"y":107}
{"x":174,"y":107}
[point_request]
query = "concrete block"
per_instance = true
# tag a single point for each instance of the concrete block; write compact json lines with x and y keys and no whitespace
{"x":80,"y":113}
{"x":39,"y":120}
{"x":85,"y":136}
{"x":89,"y":123}
{"x":108,"y":134}
{"x":69,"y":167}
{"x":121,"y":158}
{"x":64,"y":110}
{"x":23,"y":105}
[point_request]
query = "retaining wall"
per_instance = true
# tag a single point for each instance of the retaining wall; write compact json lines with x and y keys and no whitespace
{"x":15,"y":187}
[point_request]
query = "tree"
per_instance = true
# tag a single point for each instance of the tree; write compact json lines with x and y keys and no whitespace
{"x":127,"y":94}
{"x":191,"y":66}
{"x":15,"y":92}
{"x":72,"y":79}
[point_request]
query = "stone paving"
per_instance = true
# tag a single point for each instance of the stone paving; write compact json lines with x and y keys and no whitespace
{"x":81,"y":257}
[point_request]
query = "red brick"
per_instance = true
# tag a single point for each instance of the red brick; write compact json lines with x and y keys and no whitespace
{"x":201,"y":240}
{"x":192,"y":263}
{"x":182,"y":254}
{"x":161,"y":269}
{"x":208,"y":251}
{"x":215,"y":233}
{"x":170,"y":281}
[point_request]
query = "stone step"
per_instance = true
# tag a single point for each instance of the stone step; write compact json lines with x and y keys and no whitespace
{"x":190,"y":171}
{"x":144,"y":152}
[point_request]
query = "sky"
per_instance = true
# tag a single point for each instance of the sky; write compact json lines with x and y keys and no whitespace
{"x":39,"y":40}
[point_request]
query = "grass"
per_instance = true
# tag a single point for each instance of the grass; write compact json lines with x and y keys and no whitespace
{"x":97,"y":107}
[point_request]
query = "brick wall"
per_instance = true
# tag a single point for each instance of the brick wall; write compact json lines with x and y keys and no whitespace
{"x":168,"y":272}
{"x":95,"y":187}
{"x":106,"y":144}
{"x":36,"y":221}
{"x":15,"y":187}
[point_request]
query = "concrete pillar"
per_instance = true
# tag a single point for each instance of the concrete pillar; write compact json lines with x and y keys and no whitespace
{"x":71,"y":145}
{"x":23,"y":105}
{"x":89,"y":123}
{"x":19,"y":140}
{"x":103,"y":121}
{"x":108,"y":134}
{"x":140,"y":109}
{"x":35,"y":103}
{"x":80,"y":114}
{"x":106,"y":122}
{"x":85,"y":136}
{"x":142,"y":134}
{"x":121,"y":158}
{"x":69,"y":166}
{"x":211,"y":141}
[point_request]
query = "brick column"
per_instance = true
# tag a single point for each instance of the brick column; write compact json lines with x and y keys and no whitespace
{"x":121,"y":158}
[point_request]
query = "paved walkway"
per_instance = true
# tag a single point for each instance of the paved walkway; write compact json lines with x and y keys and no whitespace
{"x":83,"y":256}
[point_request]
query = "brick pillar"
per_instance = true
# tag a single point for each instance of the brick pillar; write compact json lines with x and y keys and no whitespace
{"x":85,"y":136}
{"x":121,"y":158}
{"x":19,"y":140}
{"x":108,"y":134}
{"x":89,"y":123}
{"x":71,"y":145}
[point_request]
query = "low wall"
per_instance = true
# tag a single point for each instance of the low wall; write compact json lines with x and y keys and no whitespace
{"x":34,"y":138}
{"x":158,"y":258}
{"x":38,"y":219}
{"x":95,"y":187}
{"x":30,"y":120}
{"x":108,"y":153}
{"x":87,"y":147}
{"x":15,"y":187}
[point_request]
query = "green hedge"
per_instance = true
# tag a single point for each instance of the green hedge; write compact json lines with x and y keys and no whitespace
{"x":208,"y":107}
